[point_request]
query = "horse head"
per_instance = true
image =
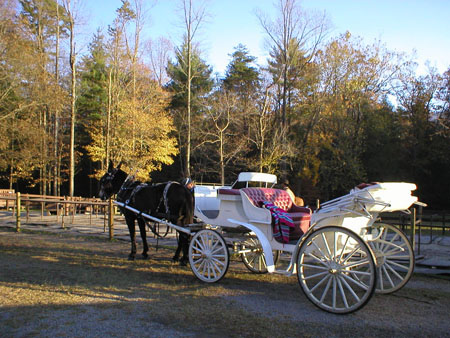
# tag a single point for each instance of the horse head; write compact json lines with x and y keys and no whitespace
{"x":111,"y":181}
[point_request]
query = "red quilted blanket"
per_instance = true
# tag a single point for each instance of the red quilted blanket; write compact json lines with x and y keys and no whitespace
{"x":281,"y":222}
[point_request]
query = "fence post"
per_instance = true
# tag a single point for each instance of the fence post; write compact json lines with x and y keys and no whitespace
{"x":63,"y":212}
{"x":111,"y":219}
{"x":413,"y":228}
{"x":18,"y":211}
{"x":27,"y":209}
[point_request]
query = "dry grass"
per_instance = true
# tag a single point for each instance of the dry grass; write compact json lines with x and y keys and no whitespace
{"x":52,"y":285}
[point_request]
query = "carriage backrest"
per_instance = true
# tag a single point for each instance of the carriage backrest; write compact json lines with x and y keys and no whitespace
{"x":278,"y":197}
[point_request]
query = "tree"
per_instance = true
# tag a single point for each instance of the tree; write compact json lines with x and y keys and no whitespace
{"x":241,"y":75}
{"x":222,"y":139}
{"x":184,"y":95}
{"x":36,"y":25}
{"x":159,"y":52}
{"x":70,"y":12}
{"x":192,"y":20}
{"x":126,"y":108}
{"x":353,"y":81}
{"x":294,"y":30}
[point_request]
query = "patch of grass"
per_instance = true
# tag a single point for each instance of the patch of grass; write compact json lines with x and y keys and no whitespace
{"x":43,"y":277}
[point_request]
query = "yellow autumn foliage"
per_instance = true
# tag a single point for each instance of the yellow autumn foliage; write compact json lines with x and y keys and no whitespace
{"x":141,"y":130}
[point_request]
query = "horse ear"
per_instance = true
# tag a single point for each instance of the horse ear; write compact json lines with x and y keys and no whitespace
{"x":110,"y":166}
{"x":120,"y":163}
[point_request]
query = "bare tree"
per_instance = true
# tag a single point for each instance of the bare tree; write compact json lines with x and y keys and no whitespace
{"x":70,"y":7}
{"x":193,"y":17}
{"x":222,"y":129}
{"x":159,"y":52}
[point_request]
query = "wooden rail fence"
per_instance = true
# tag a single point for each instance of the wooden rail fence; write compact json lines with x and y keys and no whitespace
{"x":63,"y":207}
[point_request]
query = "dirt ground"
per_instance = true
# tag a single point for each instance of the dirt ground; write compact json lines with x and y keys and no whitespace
{"x":54,"y":285}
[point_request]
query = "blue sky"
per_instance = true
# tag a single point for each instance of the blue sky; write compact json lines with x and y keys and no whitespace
{"x":422,"y":26}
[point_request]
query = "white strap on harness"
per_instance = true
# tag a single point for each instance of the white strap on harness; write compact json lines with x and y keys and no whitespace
{"x":166,"y":190}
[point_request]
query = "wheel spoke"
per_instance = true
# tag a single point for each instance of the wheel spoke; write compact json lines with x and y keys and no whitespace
{"x":315,"y":266}
{"x":380,"y":278}
{"x":356,"y":264}
{"x":326,"y":245}
{"x":343,"y":248}
{"x":320,"y":282}
{"x":200,"y":246}
{"x":398,"y":265}
{"x":352,"y":253}
{"x":362,"y":286}
{"x":326,"y":290}
{"x":216,"y":261}
{"x":344,"y":298}
{"x":383,"y":268}
{"x":364,"y":273}
{"x":334,"y":244}
{"x":309,"y":254}
{"x":317,"y":247}
{"x":334,"y":292}
{"x":315,"y":275}
{"x":350,"y":289}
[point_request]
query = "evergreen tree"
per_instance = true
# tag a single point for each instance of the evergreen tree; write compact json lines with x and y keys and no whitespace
{"x":241,"y":76}
{"x":200,"y":85}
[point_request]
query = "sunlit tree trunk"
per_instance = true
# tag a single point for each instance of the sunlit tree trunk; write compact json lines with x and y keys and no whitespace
{"x":56,"y":117}
{"x":72,"y":61}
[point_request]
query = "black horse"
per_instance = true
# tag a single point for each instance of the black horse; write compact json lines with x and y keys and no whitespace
{"x":171,"y":201}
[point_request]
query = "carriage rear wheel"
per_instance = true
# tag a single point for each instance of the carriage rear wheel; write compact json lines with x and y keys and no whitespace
{"x":253,"y":255}
{"x":208,"y":256}
{"x":394,"y":257}
{"x":336,"y":270}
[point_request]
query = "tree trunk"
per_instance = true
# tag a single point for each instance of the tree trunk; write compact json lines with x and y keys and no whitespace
{"x":189,"y":37}
{"x":72,"y":101}
{"x":56,"y":122}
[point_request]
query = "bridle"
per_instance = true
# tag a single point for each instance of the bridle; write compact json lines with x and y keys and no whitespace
{"x":106,"y":182}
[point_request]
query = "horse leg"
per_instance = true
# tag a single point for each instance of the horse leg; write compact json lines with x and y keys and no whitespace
{"x":184,"y":245}
{"x":132,"y":231}
{"x":141,"y":224}
{"x":176,"y":257}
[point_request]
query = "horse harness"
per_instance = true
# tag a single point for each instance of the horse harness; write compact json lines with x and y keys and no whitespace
{"x":137,"y":188}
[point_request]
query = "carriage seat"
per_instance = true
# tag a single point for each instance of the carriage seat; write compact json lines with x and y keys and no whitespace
{"x":223,"y":191}
{"x":301,"y":216}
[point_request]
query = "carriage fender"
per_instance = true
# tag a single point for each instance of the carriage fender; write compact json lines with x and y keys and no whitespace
{"x":262,"y":239}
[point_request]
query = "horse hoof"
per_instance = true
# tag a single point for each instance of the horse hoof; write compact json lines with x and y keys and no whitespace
{"x":183,"y":262}
{"x":131,"y":258}
{"x":175,"y":259}
{"x":145,"y":256}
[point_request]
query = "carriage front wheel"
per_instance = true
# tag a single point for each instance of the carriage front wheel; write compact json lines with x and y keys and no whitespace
{"x":336,"y":270}
{"x":208,"y":256}
{"x":394,"y":257}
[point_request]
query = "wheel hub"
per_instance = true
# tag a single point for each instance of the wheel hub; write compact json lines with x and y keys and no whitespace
{"x":206,"y":254}
{"x":380,"y":258}
{"x":334,"y":268}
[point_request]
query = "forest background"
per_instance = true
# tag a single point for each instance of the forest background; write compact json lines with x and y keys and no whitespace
{"x":325,"y":112}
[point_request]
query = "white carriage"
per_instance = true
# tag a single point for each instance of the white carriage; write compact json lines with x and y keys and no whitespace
{"x":339,"y":254}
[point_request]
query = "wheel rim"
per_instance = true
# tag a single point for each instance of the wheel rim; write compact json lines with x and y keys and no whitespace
{"x":253,"y":256}
{"x":394,"y":257}
{"x":336,"y":270}
{"x":208,"y":256}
